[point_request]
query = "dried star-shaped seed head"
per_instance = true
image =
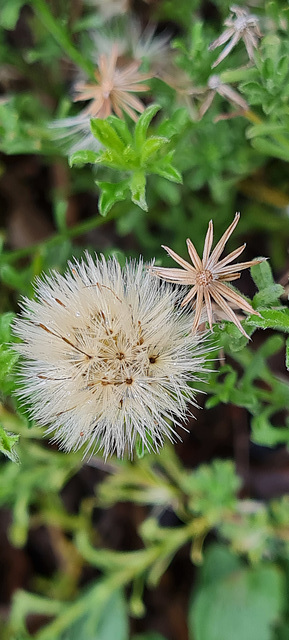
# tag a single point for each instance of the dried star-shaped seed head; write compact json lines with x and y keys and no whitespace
{"x":208,"y":275}
{"x":113,"y":88}
{"x":245,"y":27}
{"x":215,"y":85}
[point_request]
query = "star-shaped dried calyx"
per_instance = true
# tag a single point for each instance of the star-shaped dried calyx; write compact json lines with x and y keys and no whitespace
{"x":208,"y":277}
{"x":244,"y":26}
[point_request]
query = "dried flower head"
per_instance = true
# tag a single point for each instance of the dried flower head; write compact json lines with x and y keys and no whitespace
{"x":208,"y":275}
{"x":113,"y":88}
{"x":74,"y":134}
{"x":244,"y":26}
{"x":215,"y":85}
{"x":112,"y":92}
{"x":107,"y":357}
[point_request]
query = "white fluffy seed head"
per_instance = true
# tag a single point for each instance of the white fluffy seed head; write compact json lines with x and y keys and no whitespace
{"x":107,"y":357}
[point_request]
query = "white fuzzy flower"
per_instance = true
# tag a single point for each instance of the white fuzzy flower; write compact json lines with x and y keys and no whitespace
{"x":107,"y":357}
{"x":74,"y":134}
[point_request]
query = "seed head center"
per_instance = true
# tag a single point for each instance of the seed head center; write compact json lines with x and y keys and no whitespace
{"x":107,"y":87}
{"x":204,"y":278}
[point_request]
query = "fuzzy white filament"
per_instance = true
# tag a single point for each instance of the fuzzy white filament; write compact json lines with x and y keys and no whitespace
{"x":107,"y":357}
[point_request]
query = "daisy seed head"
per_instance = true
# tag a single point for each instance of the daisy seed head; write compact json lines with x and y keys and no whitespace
{"x":107,"y":356}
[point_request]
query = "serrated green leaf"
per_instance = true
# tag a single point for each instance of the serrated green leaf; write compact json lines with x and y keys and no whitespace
{"x":254,"y":91}
{"x":83,"y":157}
{"x":142,"y":125}
{"x":262,"y":275}
{"x":110,"y":194}
{"x":106,"y":134}
{"x":271,"y":319}
{"x":269,"y":296}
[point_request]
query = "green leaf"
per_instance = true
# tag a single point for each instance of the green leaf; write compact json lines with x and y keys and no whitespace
{"x":59,"y":213}
{"x":271,"y":149}
{"x":6,"y":320}
{"x":265,"y":434}
{"x":239,"y":604}
{"x":212,"y":489}
{"x":121,"y":129}
{"x":151,"y":146}
{"x":9,"y":13}
{"x":254,"y":91}
{"x":271,"y":319}
{"x":268,"y":297}
{"x":106,"y":134}
{"x":111,"y":623}
{"x":7,"y":444}
{"x":137,"y":185}
{"x":262,"y":275}
{"x":142,"y":125}
{"x":83,"y":157}
{"x":110,"y":194}
{"x":166,"y":170}
{"x":266,"y":128}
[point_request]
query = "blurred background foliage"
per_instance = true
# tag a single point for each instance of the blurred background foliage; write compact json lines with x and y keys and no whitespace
{"x":192,"y":543}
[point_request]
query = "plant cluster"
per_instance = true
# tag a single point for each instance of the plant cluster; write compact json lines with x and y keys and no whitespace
{"x":151,"y":124}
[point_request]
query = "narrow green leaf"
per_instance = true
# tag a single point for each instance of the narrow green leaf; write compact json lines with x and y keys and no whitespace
{"x":268,"y":128}
{"x":106,"y":134}
{"x":167,"y":171}
{"x":151,"y":146}
{"x":137,"y":185}
{"x":6,"y":320}
{"x":142,"y":125}
{"x":121,"y":129}
{"x":271,"y":149}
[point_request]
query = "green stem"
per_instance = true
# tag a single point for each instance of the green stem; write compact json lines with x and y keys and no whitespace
{"x":73,"y":232}
{"x":61,"y":36}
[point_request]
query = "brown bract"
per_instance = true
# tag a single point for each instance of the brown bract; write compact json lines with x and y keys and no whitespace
{"x":208,"y":277}
{"x":113,"y":88}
